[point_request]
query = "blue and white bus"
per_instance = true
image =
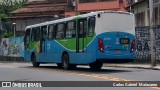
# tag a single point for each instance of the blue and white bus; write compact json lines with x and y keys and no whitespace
{"x":88,"y":39}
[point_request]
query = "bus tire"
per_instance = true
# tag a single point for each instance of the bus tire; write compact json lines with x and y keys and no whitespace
{"x":73,"y":66}
{"x":59,"y":65}
{"x":34,"y":63}
{"x":65,"y":62}
{"x":96,"y":65}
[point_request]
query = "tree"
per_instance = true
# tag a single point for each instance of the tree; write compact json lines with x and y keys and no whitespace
{"x":8,"y":6}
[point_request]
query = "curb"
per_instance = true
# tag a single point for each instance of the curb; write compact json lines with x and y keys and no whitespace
{"x":131,"y":66}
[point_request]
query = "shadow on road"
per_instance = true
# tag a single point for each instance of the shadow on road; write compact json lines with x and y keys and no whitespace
{"x":82,"y":69}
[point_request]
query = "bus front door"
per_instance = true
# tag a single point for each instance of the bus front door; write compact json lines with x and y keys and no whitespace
{"x":81,"y":35}
{"x":43,"y":40}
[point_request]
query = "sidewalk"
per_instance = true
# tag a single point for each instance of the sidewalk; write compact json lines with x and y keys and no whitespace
{"x":141,"y":66}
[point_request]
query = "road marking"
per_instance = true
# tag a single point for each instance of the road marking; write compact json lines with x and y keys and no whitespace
{"x":81,"y":73}
{"x":8,"y":67}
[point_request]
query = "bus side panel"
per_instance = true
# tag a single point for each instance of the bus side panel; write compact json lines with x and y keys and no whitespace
{"x":27,"y":56}
{"x":91,"y":51}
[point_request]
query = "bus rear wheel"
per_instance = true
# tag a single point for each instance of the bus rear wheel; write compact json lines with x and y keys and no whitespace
{"x":96,"y":65}
{"x":59,"y":65}
{"x":34,"y":63}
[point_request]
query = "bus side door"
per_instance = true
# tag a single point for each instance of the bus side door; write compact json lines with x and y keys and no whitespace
{"x":81,"y":35}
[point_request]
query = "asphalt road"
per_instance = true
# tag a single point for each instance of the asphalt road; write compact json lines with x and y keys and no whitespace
{"x":50,"y":72}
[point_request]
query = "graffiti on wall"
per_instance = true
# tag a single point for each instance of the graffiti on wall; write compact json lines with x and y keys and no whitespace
{"x":12,"y":47}
{"x":143,"y":43}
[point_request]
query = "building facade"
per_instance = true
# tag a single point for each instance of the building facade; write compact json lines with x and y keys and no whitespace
{"x":85,"y":6}
{"x":37,"y":12}
{"x":141,"y":10}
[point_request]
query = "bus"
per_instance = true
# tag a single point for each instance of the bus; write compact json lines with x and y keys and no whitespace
{"x":89,"y":39}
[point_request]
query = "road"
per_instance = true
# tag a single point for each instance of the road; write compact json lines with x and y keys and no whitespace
{"x":49,"y":72}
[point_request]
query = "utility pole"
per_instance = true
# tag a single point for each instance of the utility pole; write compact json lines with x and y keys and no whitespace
{"x":152,"y":35}
{"x":76,"y":6}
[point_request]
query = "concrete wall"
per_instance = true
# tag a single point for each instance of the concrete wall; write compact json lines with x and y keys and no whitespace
{"x":11,"y":47}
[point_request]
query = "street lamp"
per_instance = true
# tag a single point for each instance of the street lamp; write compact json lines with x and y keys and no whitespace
{"x":14,"y":28}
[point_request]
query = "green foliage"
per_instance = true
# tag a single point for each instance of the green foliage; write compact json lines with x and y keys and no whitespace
{"x":3,"y":17}
{"x":7,"y":35}
{"x":8,"y":6}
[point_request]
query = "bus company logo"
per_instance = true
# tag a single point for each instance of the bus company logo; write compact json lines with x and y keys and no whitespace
{"x":6,"y":84}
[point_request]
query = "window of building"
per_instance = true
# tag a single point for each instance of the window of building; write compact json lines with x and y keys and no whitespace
{"x":60,"y":31}
{"x":156,"y":16}
{"x":140,"y":19}
{"x":71,"y":29}
{"x":91,"y":26}
{"x":105,"y":0}
{"x":87,"y":1}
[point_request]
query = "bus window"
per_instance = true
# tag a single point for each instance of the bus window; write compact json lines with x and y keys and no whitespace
{"x":33,"y":35}
{"x":91,"y":26}
{"x":37,"y":36}
{"x":27,"y":38}
{"x":44,"y":32}
{"x":51,"y":33}
{"x":82,"y":28}
{"x":71,"y":30}
{"x":60,"y":31}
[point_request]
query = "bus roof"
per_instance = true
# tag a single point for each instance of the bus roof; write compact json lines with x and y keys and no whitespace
{"x":75,"y":17}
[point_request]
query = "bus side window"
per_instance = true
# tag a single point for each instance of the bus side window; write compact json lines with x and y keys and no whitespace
{"x":71,"y":30}
{"x":82,"y":28}
{"x":37,"y":36}
{"x":91,"y":26}
{"x":44,"y":32}
{"x":60,"y":31}
{"x":33,"y":35}
{"x":27,"y":38}
{"x":51,"y":30}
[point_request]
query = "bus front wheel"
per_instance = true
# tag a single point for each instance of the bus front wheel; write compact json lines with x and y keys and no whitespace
{"x":34,"y":63}
{"x":96,"y":65}
{"x":65,"y":62}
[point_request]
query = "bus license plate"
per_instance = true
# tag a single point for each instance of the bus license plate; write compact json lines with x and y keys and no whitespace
{"x":117,"y":51}
{"x":124,"y":40}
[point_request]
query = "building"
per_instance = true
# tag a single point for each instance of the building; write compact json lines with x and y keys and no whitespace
{"x":141,"y":10}
{"x":46,"y":10}
{"x":37,"y":12}
{"x":85,"y":6}
{"x":28,"y":0}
